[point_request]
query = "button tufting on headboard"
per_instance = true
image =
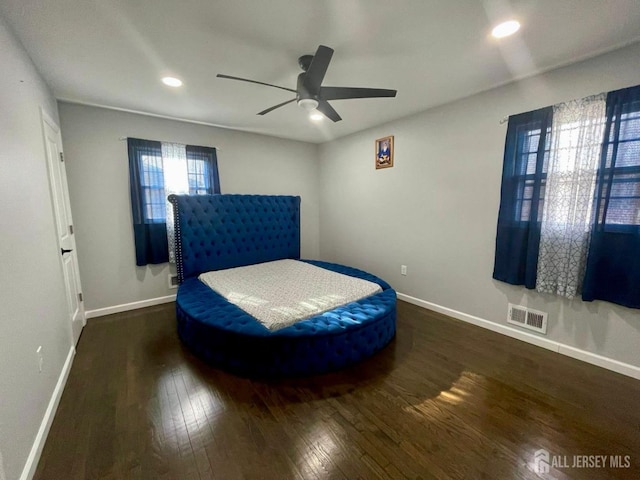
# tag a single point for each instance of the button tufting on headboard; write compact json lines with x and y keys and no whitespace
{"x":242,"y":222}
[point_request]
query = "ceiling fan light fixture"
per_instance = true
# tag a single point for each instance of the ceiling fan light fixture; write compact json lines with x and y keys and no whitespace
{"x":308,"y":103}
{"x":316,"y":116}
{"x":505,"y":29}
{"x":172,"y":82}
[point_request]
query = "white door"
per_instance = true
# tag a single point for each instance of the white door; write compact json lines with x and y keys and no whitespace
{"x":64,"y":224}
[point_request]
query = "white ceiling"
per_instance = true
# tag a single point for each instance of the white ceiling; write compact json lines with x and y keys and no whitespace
{"x":113,"y":52}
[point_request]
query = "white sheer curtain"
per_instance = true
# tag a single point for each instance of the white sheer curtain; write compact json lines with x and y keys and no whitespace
{"x":176,"y":180}
{"x":576,"y":139}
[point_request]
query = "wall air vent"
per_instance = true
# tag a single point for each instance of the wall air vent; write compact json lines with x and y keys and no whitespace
{"x":517,"y":315}
{"x":173,"y":281}
{"x":527,"y":318}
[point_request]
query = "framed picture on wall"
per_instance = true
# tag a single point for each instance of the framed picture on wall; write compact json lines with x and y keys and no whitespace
{"x":384,"y":152}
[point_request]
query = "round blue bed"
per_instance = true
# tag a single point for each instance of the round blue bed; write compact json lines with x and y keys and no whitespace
{"x":215,"y":232}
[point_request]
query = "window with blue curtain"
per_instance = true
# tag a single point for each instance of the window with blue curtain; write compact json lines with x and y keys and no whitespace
{"x":148,"y":193}
{"x":146,"y":182}
{"x":613,"y":265}
{"x":152,"y":184}
{"x":202,"y":167}
{"x":522,"y":196}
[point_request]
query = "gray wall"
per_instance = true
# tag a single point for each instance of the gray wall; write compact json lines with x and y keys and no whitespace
{"x":98,"y":173}
{"x":436,"y":210}
{"x":34,"y":309}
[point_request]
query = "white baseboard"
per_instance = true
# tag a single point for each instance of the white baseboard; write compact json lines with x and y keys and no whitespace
{"x":38,"y":444}
{"x":600,"y":361}
{"x":125,"y":307}
{"x":564,"y":349}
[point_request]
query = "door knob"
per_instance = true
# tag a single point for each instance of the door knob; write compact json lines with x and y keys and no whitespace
{"x":63,"y":251}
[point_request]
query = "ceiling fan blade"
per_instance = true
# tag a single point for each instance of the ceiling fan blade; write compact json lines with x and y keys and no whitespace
{"x":328,"y":111}
{"x":254,"y":81}
{"x":344,"y":93}
{"x":318,"y":68}
{"x":276,"y":106}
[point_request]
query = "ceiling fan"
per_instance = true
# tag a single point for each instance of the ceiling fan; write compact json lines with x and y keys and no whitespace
{"x":310,"y":94}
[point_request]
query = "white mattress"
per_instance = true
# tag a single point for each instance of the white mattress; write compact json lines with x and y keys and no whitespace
{"x":281,"y":293}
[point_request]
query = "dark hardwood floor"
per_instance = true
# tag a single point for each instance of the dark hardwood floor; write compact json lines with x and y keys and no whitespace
{"x":444,"y":400}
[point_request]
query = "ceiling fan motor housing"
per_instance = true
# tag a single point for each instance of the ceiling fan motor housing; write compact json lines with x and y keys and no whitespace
{"x":302,"y":92}
{"x":304,"y":61}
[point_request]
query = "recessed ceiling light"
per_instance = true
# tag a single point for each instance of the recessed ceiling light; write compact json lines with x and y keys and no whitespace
{"x":316,"y":117}
{"x":505,"y":29}
{"x":172,"y":81}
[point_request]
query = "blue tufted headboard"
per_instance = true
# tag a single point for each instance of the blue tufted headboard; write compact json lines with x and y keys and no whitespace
{"x":214,"y":232}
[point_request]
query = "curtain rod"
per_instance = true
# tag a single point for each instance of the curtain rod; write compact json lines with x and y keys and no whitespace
{"x":504,"y":120}
{"x":122,"y":139}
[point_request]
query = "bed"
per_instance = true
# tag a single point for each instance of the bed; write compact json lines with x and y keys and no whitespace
{"x":219,"y":232}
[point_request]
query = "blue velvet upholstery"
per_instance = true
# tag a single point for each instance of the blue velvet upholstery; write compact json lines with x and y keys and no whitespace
{"x":214,"y":232}
{"x":224,"y":231}
{"x":225,"y":336}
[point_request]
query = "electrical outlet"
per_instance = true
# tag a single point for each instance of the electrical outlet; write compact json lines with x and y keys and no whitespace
{"x":403,"y":269}
{"x":40,"y":359}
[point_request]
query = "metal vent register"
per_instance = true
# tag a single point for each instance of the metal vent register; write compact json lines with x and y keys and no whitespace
{"x":527,"y":318}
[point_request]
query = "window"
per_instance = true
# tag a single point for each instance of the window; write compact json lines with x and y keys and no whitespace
{"x":569,"y":218}
{"x":152,"y":183}
{"x":199,"y":164}
{"x":198,"y":174}
{"x":532,"y":175}
{"x":157,"y":169}
{"x":619,"y":192}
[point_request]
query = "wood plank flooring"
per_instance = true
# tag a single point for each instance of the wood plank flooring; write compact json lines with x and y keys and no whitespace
{"x":444,"y":400}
